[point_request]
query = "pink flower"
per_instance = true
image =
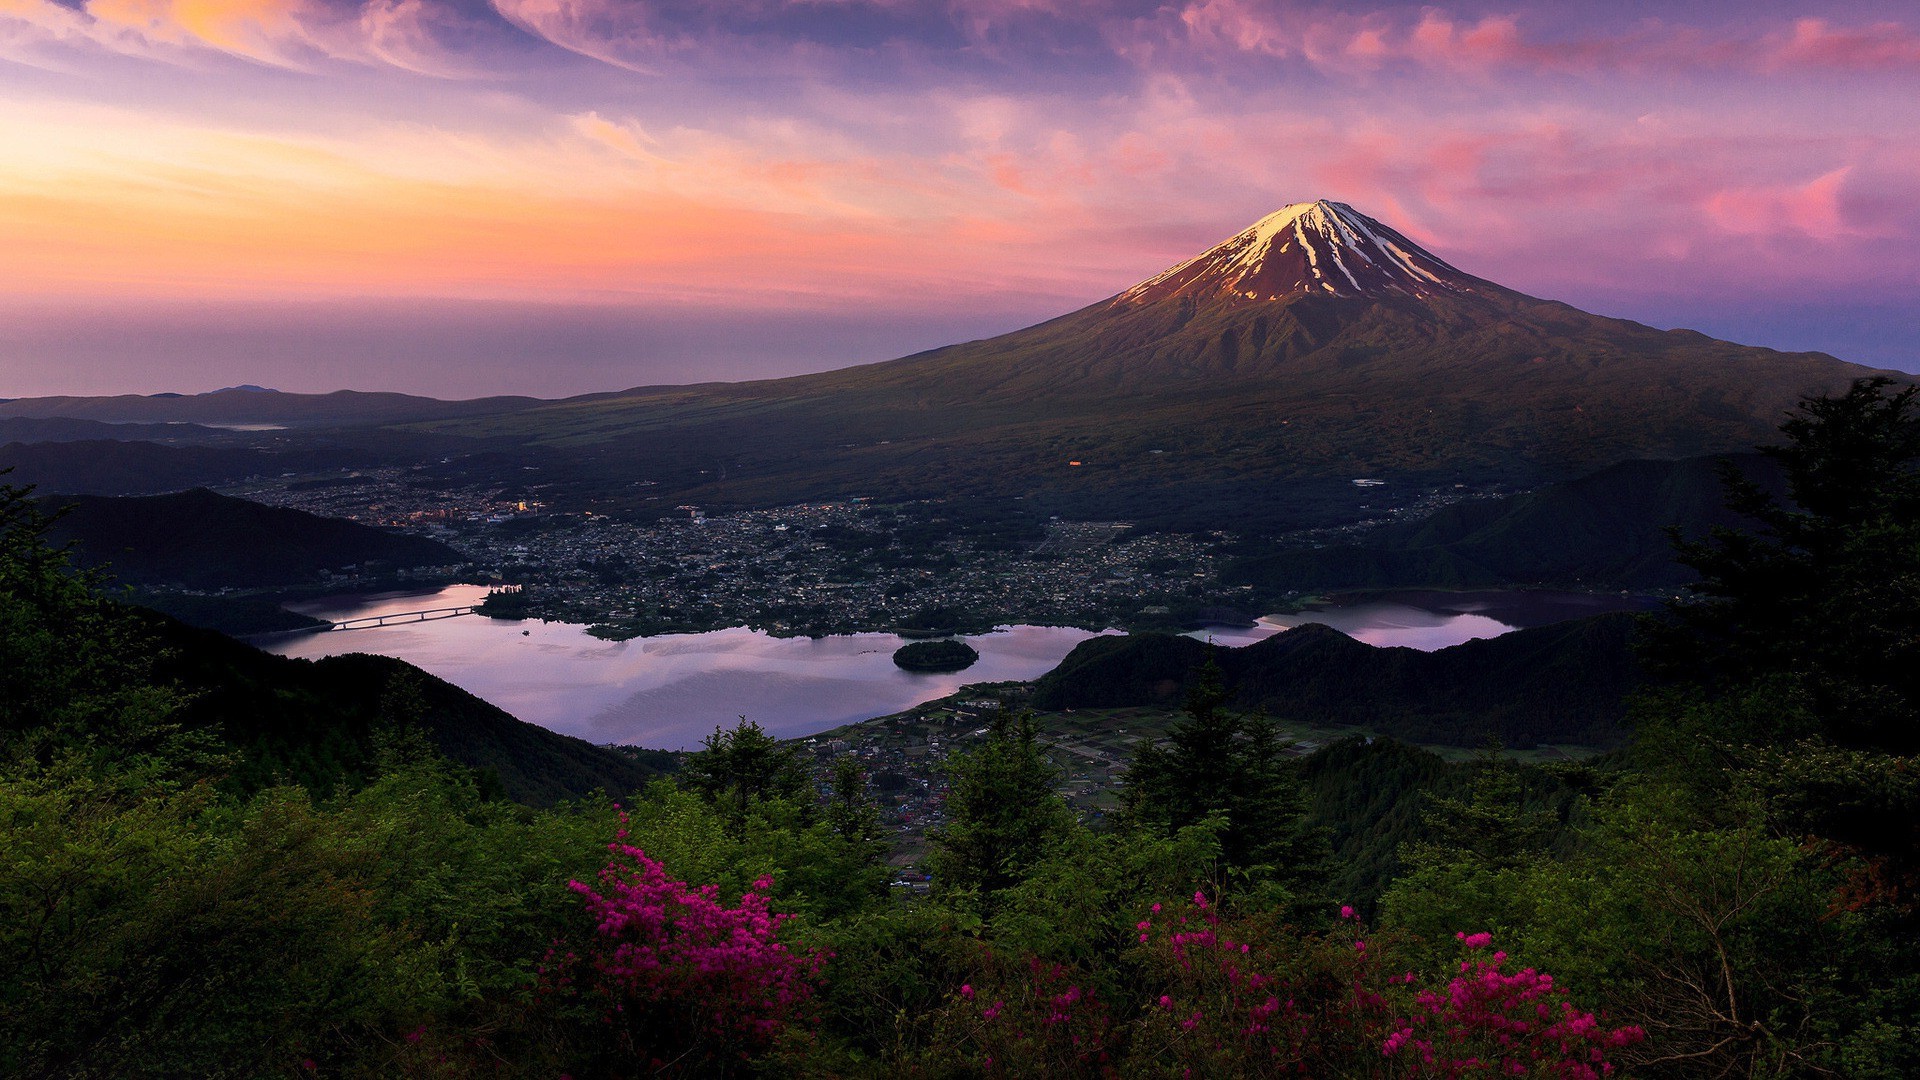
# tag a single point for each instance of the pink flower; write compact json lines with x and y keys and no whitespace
{"x":1346,"y":911}
{"x":966,"y":990}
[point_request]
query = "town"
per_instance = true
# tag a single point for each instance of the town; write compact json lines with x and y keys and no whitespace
{"x":815,"y":569}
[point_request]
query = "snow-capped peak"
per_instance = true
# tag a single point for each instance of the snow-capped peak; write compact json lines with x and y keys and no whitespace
{"x":1311,"y":247}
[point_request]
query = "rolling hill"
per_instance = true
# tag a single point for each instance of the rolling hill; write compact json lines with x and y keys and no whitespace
{"x":1562,"y":683}
{"x":318,"y":722}
{"x":201,"y":540}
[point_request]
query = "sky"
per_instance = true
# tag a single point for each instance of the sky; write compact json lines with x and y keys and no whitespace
{"x":549,"y":197}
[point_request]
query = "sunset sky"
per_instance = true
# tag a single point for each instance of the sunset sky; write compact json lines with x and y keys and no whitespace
{"x":461,"y":197}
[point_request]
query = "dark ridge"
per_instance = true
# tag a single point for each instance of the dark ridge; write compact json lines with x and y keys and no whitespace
{"x":317,"y":722}
{"x":1563,"y":683}
{"x":202,"y":540}
{"x":1607,"y":530}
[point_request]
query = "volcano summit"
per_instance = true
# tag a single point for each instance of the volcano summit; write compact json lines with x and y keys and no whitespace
{"x":1306,"y":249}
{"x":1238,"y":387}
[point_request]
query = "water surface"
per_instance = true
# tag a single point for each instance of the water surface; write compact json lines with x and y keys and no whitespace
{"x":1429,"y":620}
{"x":668,"y":691}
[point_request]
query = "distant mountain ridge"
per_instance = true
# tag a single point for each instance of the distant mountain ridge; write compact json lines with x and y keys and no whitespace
{"x":36,"y":429}
{"x":1241,"y":388}
{"x":259,"y":405}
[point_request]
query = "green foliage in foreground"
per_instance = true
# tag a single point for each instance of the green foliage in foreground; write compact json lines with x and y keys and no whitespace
{"x":1737,"y":883}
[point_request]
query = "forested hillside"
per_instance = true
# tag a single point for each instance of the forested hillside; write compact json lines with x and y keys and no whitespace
{"x":1563,"y":683}
{"x":200,"y":539}
{"x":1604,"y":531}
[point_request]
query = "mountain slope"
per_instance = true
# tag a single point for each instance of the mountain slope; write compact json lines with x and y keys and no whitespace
{"x":1607,"y":530}
{"x":1249,"y":382}
{"x":199,"y":539}
{"x":318,"y":722}
{"x":1563,"y":683}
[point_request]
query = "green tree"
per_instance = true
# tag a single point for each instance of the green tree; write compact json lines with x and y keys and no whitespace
{"x":1795,"y":663}
{"x":1821,"y":603}
{"x":77,"y":670}
{"x":1222,"y":764}
{"x":1003,"y":815}
{"x":738,"y":768}
{"x":1496,"y":825}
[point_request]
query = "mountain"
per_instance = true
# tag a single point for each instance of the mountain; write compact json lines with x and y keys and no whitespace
{"x":1607,"y":530}
{"x":251,"y":405}
{"x":201,"y":540}
{"x":318,"y":722}
{"x":1246,"y":386}
{"x":25,"y":429}
{"x":117,"y":467}
{"x":1562,"y":683}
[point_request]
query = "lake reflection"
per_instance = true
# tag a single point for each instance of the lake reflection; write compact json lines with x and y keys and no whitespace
{"x":1429,"y":620}
{"x":669,"y":691}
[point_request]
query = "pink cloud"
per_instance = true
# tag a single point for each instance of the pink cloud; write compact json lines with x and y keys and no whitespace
{"x":301,"y":35}
{"x":1339,"y":41}
{"x":1814,"y":44}
{"x":1812,"y":208}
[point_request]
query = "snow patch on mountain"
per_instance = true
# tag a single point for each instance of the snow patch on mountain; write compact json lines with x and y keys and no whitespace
{"x":1321,"y":247}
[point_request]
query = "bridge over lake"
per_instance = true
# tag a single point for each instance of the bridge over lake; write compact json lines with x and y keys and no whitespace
{"x":368,"y":622}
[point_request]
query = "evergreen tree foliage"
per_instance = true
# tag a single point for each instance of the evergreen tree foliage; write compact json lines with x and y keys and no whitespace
{"x":1002,"y":813}
{"x":1822,"y":602}
{"x":851,"y":812}
{"x":739,"y":767}
{"x":1797,"y":660}
{"x":77,"y":672}
{"x":1220,"y":763}
{"x":1496,"y":825}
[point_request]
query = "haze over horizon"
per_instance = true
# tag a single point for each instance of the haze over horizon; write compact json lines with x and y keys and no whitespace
{"x":461,"y":198}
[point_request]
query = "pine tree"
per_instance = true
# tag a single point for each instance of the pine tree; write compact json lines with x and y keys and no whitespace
{"x":740,"y":767}
{"x":1494,"y":825}
{"x":1002,"y":812}
{"x":1221,"y":764}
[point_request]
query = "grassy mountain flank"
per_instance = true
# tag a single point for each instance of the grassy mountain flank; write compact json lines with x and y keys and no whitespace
{"x":1607,"y":531}
{"x":1183,"y":412}
{"x":200,"y":539}
{"x":1564,"y":683}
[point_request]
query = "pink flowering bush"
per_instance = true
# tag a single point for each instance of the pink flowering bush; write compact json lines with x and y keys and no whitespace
{"x":1247,"y":996}
{"x":1489,"y":1022}
{"x":1210,"y":994}
{"x":673,"y":976}
{"x":1026,"y":1018}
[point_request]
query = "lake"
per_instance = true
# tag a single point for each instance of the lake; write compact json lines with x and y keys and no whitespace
{"x":1432,"y":619}
{"x":671,"y":691}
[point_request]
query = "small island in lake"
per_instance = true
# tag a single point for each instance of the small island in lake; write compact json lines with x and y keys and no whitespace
{"x":935,"y":656}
